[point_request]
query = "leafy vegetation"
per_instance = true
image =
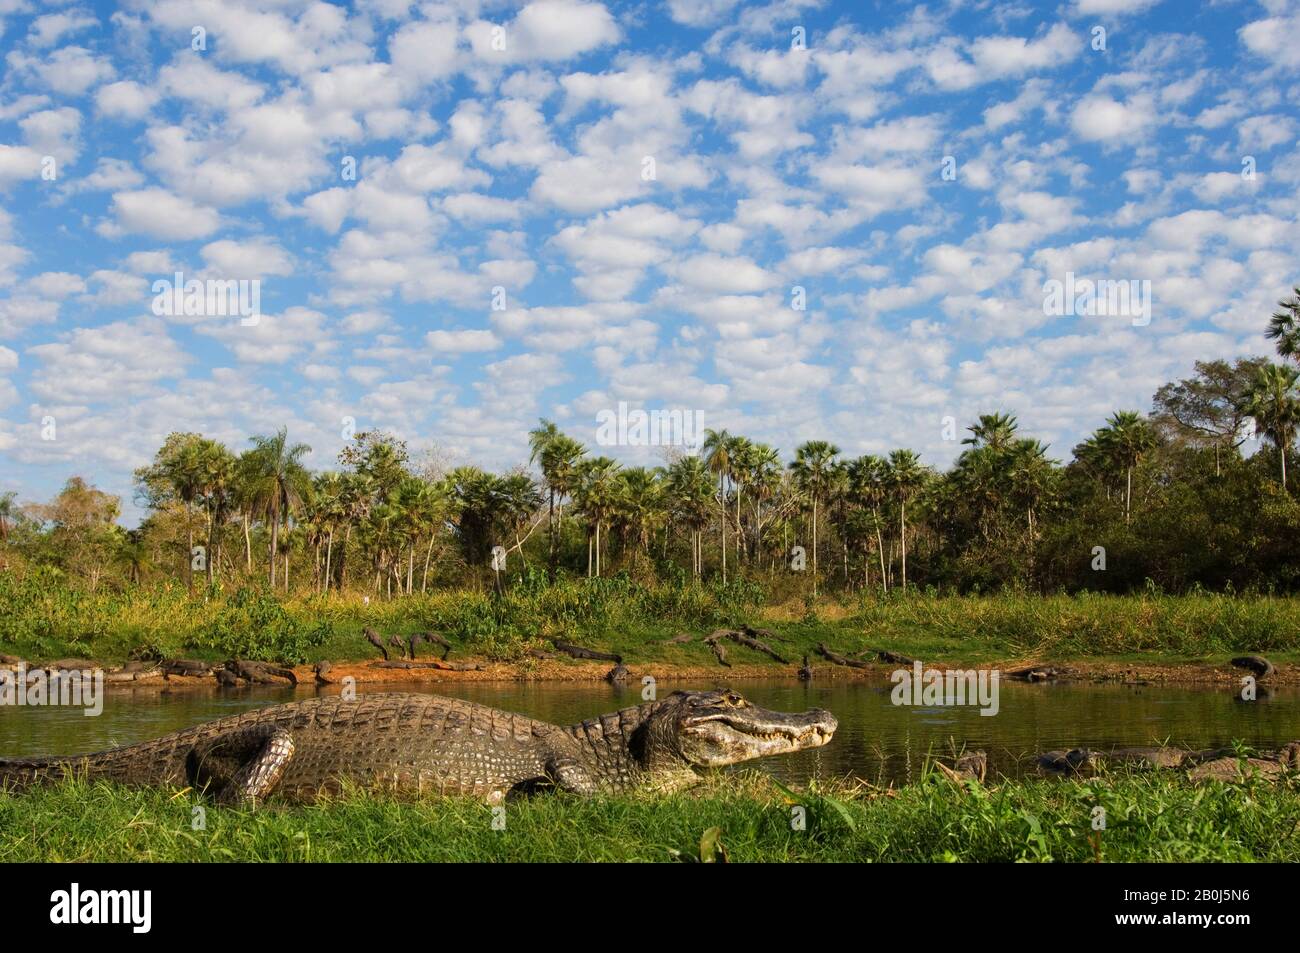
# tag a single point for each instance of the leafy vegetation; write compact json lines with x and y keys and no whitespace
{"x":1149,"y":817}
{"x":45,"y":619}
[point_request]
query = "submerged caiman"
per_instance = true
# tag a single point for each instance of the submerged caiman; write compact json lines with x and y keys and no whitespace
{"x":417,"y":744}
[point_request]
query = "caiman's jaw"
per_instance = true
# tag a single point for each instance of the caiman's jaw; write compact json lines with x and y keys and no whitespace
{"x":720,"y":728}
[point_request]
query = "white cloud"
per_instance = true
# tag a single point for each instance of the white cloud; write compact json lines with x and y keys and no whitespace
{"x":125,"y":100}
{"x":544,"y":30}
{"x":256,"y":258}
{"x":1099,"y":117}
{"x":162,"y":214}
{"x":462,"y":342}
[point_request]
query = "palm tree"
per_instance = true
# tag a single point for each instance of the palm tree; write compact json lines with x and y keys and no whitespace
{"x":218,"y":470}
{"x":638,"y":507}
{"x":867,"y":476}
{"x":518,"y":503}
{"x":244,"y":497}
{"x":763,"y":479}
{"x":1029,"y":473}
{"x":717,"y":456}
{"x":1127,"y":438}
{"x":1284,"y":327}
{"x":596,"y":493}
{"x":905,"y":476}
{"x":689,"y":487}
{"x":994,"y":431}
{"x":558,"y":456}
{"x":280,"y":481}
{"x":742,"y":456}
{"x":133,"y":554}
{"x":813,"y":469}
{"x":327,"y":491}
{"x":1272,"y":400}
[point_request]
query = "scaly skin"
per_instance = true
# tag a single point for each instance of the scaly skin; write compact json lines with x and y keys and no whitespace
{"x":425,"y":744}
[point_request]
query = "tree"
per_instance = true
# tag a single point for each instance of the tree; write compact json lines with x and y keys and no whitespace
{"x":1284,"y":327}
{"x":868,"y":476}
{"x":905,"y":477}
{"x":717,"y":456}
{"x":175,"y":476}
{"x":1206,"y":408}
{"x":280,"y":482}
{"x":1126,"y":439}
{"x":688,"y":486}
{"x":813,"y":469}
{"x":82,"y":528}
{"x":742,"y":457}
{"x":558,"y":457}
{"x":1272,"y":401}
{"x":994,"y":431}
{"x":8,"y":512}
{"x":596,"y":494}
{"x":1030,"y":473}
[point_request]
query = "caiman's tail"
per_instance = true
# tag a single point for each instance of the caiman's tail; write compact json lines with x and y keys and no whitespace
{"x":20,"y":773}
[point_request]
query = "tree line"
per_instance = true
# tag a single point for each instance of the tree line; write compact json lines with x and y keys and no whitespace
{"x":1167,"y":497}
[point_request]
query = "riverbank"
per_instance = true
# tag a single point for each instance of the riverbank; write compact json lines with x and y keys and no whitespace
{"x":372,"y":672}
{"x":1151,"y":817}
{"x":659,"y":631}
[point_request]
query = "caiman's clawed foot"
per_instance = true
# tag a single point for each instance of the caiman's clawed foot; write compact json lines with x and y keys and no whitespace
{"x":568,"y":774}
{"x":243,"y":766}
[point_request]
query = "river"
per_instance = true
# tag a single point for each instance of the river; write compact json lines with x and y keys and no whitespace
{"x":877,"y":741}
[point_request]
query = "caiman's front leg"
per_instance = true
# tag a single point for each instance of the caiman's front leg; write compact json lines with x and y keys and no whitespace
{"x":242,"y":766}
{"x":568,"y":774}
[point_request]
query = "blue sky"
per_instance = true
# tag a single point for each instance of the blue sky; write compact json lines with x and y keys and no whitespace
{"x":525,"y":169}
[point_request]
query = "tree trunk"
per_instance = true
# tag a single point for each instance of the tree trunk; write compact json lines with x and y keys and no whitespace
{"x":902,"y":539}
{"x":551,"y":526}
{"x":880,"y":548}
{"x":814,"y":536}
{"x":275,"y":544}
{"x":343,"y":559}
{"x":722,"y":524}
{"x":1128,"y":495}
{"x":212,"y":552}
{"x":428,"y":556}
{"x":189,"y":550}
{"x":329,"y":552}
{"x":248,"y":541}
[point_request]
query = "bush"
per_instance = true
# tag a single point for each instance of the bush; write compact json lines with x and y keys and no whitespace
{"x":254,"y":625}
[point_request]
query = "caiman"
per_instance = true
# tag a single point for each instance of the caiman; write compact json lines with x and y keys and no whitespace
{"x":412,"y":745}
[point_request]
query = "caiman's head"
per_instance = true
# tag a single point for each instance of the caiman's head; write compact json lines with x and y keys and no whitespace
{"x":711,"y":729}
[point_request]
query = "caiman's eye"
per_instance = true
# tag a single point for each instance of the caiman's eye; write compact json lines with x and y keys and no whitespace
{"x":734,"y":700}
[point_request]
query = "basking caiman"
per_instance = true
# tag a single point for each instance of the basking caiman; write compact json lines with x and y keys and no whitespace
{"x":416,"y":744}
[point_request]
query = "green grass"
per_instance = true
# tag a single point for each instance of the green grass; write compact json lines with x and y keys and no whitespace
{"x":45,"y":619}
{"x":1149,"y":817}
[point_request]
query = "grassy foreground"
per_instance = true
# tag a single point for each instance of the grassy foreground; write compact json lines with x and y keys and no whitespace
{"x":44,"y":620}
{"x":1149,"y":817}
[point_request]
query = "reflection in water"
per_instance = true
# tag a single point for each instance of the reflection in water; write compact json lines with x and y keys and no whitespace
{"x":876,"y":741}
